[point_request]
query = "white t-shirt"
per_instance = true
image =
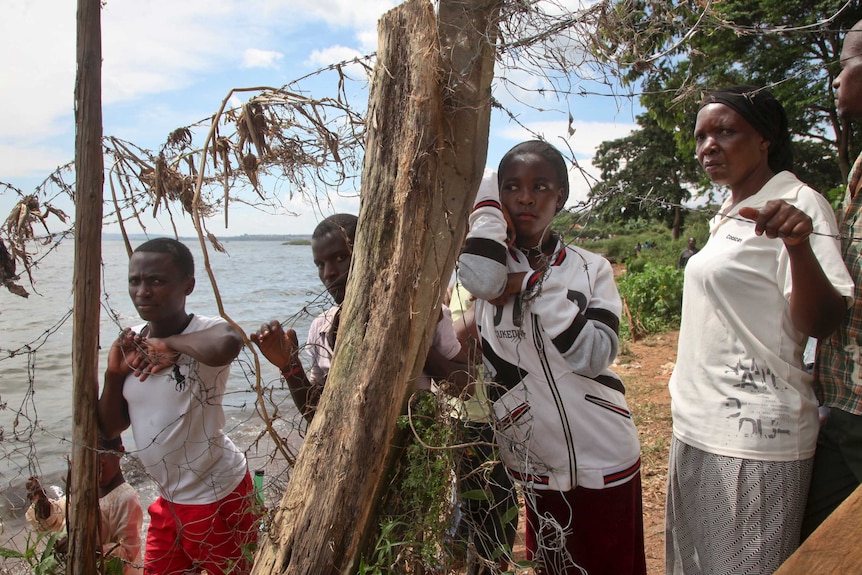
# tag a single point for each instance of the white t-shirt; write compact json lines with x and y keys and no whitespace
{"x":445,"y":342}
{"x":740,"y":388}
{"x":318,"y":346}
{"x":178,"y":427}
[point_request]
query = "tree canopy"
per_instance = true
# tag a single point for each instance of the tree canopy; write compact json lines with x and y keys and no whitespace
{"x":675,"y":52}
{"x":640,"y":168}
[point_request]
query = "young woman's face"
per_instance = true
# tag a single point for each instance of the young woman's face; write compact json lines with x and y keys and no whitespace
{"x":532,"y":194}
{"x":728,"y":148}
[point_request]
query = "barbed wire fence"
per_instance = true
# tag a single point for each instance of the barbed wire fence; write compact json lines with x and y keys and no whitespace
{"x":280,"y":138}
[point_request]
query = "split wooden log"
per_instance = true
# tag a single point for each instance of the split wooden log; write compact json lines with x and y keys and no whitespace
{"x":426,"y":147}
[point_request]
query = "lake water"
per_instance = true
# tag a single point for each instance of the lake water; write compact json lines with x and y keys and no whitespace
{"x":257,"y":281}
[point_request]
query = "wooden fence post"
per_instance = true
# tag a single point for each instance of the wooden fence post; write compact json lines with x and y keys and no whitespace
{"x":89,"y":178}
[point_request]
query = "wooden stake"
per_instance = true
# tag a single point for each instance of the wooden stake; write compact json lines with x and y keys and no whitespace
{"x":89,"y":179}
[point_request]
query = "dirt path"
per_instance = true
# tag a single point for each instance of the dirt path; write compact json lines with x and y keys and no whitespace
{"x":645,"y":369}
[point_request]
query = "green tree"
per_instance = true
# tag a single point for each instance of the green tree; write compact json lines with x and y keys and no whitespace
{"x":642,"y":176}
{"x":678,"y":50}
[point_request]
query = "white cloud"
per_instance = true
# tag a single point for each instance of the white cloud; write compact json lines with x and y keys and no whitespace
{"x":581,"y":181}
{"x":367,"y":40}
{"x":587,"y":137}
{"x":332,"y":54}
{"x":359,"y":17}
{"x":148,"y":48}
{"x":21,"y":161}
{"x":307,"y":204}
{"x":336,"y":13}
{"x":254,"y":58}
{"x":153,"y":47}
{"x":162,"y":45}
{"x":38,"y":67}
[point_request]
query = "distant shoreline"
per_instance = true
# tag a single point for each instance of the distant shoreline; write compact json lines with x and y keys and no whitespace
{"x":287,"y":239}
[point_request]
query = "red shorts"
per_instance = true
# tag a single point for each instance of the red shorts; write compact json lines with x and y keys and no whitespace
{"x":602,"y":530}
{"x":219,"y":537}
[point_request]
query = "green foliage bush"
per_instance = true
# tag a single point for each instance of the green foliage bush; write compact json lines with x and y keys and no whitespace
{"x":616,"y":249}
{"x":417,"y":508}
{"x":39,"y":554}
{"x":654,"y":298}
{"x":635,"y":265}
{"x":45,"y":554}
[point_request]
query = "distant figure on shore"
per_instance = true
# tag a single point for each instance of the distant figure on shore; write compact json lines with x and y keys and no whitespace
{"x":332,"y":250}
{"x":689,"y":251}
{"x":119,"y":508}
{"x":167,"y":378}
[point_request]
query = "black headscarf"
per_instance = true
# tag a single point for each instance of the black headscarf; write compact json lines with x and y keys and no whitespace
{"x":765,"y":114}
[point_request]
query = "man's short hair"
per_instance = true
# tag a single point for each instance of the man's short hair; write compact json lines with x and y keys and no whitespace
{"x":178,"y":251}
{"x":341,"y":223}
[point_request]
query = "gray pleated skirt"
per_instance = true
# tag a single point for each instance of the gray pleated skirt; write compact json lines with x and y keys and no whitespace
{"x":727,"y":515}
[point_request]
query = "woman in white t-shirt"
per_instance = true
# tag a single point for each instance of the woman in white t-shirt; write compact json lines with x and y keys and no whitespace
{"x":744,"y":413}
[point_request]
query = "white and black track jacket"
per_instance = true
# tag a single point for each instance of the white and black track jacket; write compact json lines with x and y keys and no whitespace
{"x":559,"y":412}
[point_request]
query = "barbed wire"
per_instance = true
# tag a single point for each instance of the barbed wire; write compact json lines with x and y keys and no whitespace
{"x":314,"y":148}
{"x":717,"y":212}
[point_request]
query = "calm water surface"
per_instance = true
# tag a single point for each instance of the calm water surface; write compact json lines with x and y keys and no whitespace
{"x":257,"y":281}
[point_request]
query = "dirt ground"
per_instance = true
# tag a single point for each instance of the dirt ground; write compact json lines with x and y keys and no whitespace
{"x":645,"y":367}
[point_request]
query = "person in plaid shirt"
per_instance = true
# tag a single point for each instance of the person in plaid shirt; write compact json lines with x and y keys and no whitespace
{"x":838,"y":371}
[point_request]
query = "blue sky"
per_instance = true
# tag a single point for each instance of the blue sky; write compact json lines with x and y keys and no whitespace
{"x":170,"y":64}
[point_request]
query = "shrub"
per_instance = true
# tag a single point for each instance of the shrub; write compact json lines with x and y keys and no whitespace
{"x":653,"y":298}
{"x":39,"y":554}
{"x":635,"y":265}
{"x":417,"y":507}
{"x":616,"y":249}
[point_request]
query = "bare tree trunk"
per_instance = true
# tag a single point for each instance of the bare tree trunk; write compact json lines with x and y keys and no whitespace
{"x":428,"y":124}
{"x":89,"y":178}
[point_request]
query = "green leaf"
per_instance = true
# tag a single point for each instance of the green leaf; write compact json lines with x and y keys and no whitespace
{"x":475,"y":495}
{"x":7,"y":553}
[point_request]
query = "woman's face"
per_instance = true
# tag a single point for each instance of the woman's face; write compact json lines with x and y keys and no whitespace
{"x":531,"y":193}
{"x":729,"y":149}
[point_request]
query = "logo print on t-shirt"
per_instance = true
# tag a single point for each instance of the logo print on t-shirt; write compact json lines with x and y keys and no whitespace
{"x":179,"y":378}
